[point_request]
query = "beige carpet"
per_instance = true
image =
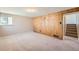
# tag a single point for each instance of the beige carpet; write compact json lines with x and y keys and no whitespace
{"x":32,"y":41}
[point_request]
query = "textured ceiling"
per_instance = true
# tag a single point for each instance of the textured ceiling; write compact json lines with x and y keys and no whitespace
{"x":40,"y":10}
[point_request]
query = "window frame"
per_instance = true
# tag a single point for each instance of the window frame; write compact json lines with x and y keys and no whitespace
{"x":8,"y":20}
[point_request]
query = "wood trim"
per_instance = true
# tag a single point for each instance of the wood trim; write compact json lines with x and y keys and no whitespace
{"x":70,"y":10}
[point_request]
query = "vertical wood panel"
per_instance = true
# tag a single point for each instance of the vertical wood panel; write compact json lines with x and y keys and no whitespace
{"x":43,"y":29}
{"x":37,"y":24}
{"x":49,"y":25}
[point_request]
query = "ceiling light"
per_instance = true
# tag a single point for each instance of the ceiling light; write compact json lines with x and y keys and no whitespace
{"x":31,"y":10}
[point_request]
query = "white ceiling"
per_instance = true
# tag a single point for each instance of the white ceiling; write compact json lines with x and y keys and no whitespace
{"x":40,"y":10}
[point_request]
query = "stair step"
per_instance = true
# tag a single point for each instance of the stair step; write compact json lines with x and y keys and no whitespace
{"x":72,"y":33}
{"x":71,"y":24}
{"x":71,"y":30}
{"x":71,"y":27}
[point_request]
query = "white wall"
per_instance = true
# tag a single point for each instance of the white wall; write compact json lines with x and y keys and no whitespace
{"x":20,"y":24}
{"x":70,"y":19}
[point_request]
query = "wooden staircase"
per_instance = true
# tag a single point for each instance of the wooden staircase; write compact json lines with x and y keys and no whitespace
{"x":71,"y":30}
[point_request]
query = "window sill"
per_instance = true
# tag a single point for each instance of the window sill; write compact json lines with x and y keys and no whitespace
{"x":6,"y":25}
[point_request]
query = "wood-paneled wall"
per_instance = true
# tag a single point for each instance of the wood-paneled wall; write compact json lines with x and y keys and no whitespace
{"x":49,"y":25}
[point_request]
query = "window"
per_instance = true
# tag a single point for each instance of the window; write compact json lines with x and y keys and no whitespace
{"x":5,"y":20}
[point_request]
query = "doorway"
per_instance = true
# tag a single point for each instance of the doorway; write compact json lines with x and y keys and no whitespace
{"x":70,"y":26}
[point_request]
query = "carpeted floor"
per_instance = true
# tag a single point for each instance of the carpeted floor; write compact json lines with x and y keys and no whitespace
{"x":32,"y":41}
